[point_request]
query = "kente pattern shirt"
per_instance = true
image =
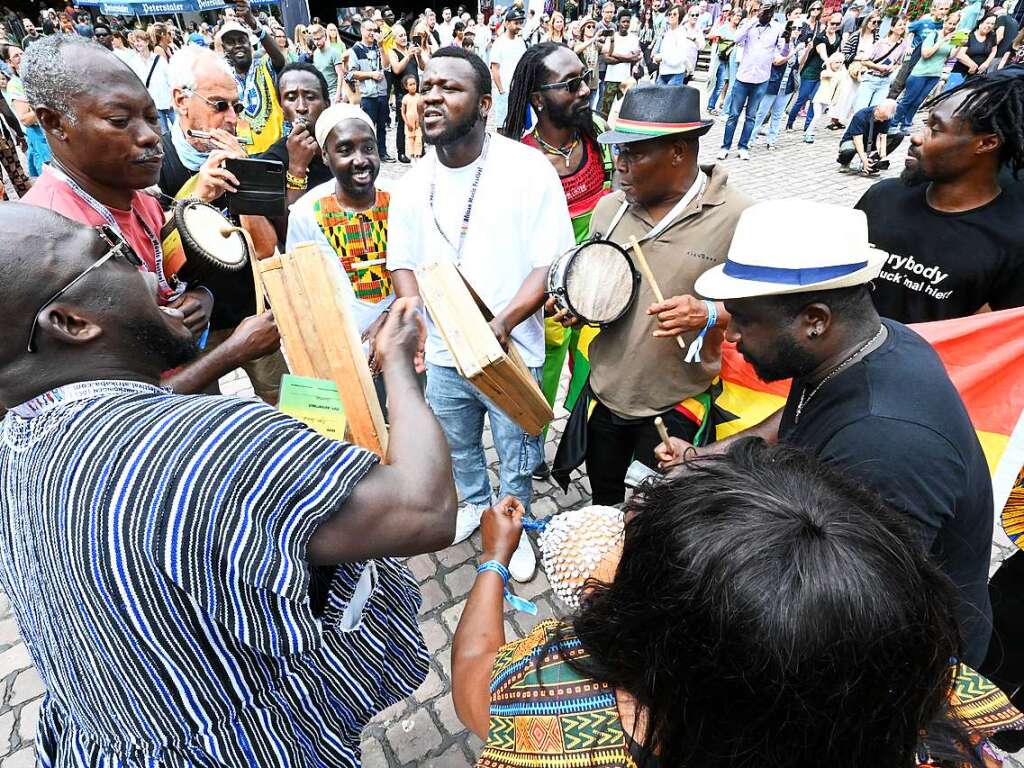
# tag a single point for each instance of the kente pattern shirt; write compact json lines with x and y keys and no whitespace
{"x":154,"y":550}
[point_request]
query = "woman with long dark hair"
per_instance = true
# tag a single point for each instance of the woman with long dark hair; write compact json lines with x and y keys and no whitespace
{"x":765,"y":611}
{"x":978,"y":55}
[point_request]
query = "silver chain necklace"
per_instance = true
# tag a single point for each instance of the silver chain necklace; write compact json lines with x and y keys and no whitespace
{"x":806,"y":398}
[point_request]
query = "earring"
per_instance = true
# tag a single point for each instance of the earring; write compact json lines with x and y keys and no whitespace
{"x":813,"y":333}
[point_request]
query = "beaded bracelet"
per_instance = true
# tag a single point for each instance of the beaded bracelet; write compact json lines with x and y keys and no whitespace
{"x":516,"y":602}
{"x":296,"y":182}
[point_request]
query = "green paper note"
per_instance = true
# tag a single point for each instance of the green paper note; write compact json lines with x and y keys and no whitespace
{"x":314,"y":402}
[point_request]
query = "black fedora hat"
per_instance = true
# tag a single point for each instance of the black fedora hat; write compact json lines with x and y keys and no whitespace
{"x":651,"y":111}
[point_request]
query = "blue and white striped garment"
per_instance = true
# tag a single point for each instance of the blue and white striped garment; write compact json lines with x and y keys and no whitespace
{"x":153,"y":547}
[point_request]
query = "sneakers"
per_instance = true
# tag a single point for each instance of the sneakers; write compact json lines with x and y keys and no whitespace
{"x":845,"y":168}
{"x":722,"y":154}
{"x":744,"y":154}
{"x":541,"y":472}
{"x":808,"y":138}
{"x":468,"y":520}
{"x":770,"y":147}
{"x":523,"y":564}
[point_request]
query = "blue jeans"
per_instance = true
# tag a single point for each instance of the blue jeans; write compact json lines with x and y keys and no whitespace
{"x":166,"y":119}
{"x":872,"y":90}
{"x":745,"y":96}
{"x":377,"y":108}
{"x":776,"y":104}
{"x":916,"y":91}
{"x":676,"y":79}
{"x":460,"y":407}
{"x":804,"y":96}
{"x":721,"y":78}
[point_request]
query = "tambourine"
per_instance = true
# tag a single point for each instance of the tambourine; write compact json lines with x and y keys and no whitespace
{"x":198,"y":240}
{"x":595,"y":281}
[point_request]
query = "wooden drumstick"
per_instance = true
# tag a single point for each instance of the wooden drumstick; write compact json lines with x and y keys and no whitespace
{"x":662,"y":431}
{"x":646,"y":269}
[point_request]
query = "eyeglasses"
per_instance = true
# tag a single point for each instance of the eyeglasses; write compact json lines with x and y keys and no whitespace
{"x":116,"y":247}
{"x":220,"y":105}
{"x":572,"y":85}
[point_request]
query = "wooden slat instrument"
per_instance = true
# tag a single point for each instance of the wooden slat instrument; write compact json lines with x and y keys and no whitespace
{"x":461,"y":318}
{"x":320,"y":337}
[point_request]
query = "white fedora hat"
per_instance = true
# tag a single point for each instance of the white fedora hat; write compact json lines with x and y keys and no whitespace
{"x":794,"y":246}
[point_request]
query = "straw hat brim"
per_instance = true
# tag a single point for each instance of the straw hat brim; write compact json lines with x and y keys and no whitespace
{"x":718,"y":286}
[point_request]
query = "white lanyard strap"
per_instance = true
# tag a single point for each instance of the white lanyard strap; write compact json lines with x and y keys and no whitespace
{"x":167,"y":291}
{"x":82,"y":390}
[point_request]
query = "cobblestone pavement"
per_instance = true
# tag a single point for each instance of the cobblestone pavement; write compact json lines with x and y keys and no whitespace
{"x":423,"y":730}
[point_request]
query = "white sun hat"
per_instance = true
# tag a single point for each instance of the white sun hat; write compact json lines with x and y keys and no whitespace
{"x":794,"y":246}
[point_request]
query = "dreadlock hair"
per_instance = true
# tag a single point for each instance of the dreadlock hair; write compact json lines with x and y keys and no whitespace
{"x":994,"y":104}
{"x":530,"y":71}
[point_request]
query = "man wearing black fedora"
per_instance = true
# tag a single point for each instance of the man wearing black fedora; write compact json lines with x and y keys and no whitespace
{"x":683,"y":216}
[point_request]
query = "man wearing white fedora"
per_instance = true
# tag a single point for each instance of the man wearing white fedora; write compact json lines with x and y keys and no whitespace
{"x":868,"y":394}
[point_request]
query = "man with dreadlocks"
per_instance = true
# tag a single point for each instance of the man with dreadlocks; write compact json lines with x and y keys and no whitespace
{"x":955,"y":237}
{"x":552,"y":80}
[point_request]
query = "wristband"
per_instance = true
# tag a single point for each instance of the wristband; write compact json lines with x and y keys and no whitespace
{"x":693,"y":352}
{"x":516,"y":602}
{"x":296,"y":182}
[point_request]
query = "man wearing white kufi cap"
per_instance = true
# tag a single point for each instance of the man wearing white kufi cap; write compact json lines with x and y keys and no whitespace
{"x":348,"y":215}
{"x":868,"y":395}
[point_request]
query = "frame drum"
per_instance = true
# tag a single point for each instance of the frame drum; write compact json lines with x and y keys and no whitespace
{"x":595,"y":281}
{"x":196,"y":244}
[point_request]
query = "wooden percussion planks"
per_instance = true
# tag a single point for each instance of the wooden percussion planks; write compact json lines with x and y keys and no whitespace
{"x":504,"y":378}
{"x":320,"y":337}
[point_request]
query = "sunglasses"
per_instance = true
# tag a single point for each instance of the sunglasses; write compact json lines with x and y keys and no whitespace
{"x":572,"y":85}
{"x":220,"y":105}
{"x":116,"y":247}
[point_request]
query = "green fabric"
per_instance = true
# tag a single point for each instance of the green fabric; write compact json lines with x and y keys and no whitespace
{"x":551,"y":373}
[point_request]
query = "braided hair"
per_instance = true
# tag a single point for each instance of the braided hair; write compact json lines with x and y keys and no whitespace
{"x":995,"y":104}
{"x":530,"y":71}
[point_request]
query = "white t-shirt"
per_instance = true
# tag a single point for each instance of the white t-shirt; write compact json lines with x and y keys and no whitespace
{"x":617,"y":73}
{"x":302,"y":228}
{"x":159,"y":84}
{"x":506,"y":54}
{"x":519,"y":222}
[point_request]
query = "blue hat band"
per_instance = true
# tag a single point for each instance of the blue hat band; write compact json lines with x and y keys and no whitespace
{"x":788,"y":276}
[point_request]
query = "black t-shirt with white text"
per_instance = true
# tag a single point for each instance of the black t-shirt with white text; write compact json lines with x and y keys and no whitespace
{"x":895,"y":423}
{"x":943,"y":265}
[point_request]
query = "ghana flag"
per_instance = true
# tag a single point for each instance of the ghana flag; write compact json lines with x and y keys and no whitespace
{"x":983,"y":354}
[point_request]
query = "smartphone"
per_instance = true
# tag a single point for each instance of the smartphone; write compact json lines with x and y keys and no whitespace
{"x":261,"y":187}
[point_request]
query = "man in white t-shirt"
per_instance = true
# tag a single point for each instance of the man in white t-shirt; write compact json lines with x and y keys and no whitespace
{"x":444,"y":29}
{"x":623,"y":53}
{"x":506,"y":52}
{"x":518,"y":223}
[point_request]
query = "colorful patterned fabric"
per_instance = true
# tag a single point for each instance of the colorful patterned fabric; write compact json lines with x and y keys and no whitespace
{"x":361,"y":242}
{"x":557,"y":719}
{"x":982,"y":707}
{"x":263,"y":118}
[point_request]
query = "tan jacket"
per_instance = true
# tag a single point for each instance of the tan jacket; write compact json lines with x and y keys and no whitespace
{"x":634,"y":374}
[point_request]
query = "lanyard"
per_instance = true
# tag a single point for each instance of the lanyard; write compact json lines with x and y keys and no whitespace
{"x":167,"y":291}
{"x":696,"y":190}
{"x":469,"y":202}
{"x":82,"y":390}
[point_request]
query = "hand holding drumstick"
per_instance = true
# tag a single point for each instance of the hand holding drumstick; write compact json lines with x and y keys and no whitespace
{"x":675,"y":315}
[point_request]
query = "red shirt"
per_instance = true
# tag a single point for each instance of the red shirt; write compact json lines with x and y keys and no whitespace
{"x":50,"y":192}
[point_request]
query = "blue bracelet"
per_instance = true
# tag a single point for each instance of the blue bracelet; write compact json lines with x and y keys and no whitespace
{"x":516,"y":602}
{"x":532,"y":524}
{"x":693,"y":352}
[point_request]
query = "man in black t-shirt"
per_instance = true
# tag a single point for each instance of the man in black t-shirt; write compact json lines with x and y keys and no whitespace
{"x":869,"y":396}
{"x":955,"y":239}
